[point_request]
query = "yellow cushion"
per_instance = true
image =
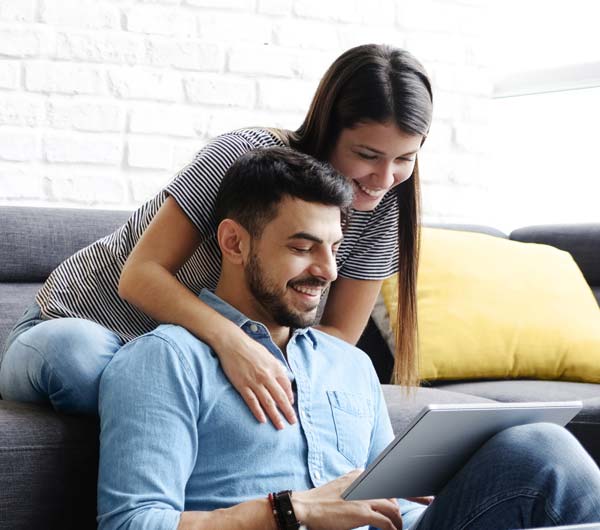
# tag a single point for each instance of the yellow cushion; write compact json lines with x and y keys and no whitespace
{"x":493,"y":308}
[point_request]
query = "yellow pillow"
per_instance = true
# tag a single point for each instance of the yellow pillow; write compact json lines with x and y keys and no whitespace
{"x":493,"y":308}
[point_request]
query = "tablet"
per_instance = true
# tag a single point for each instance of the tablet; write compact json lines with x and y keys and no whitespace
{"x":440,"y":440}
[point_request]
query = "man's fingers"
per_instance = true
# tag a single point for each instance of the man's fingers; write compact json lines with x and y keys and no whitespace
{"x":282,"y":401}
{"x":389,"y":509}
{"x":251,"y":400}
{"x":421,"y":500}
{"x":382,"y":522}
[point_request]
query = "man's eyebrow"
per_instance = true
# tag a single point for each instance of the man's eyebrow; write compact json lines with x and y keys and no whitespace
{"x":382,"y":153}
{"x":311,"y":237}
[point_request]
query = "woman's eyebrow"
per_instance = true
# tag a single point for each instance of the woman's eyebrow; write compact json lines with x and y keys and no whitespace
{"x":382,"y":153}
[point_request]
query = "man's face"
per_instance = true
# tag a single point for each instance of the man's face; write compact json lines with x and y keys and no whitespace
{"x":293,"y":262}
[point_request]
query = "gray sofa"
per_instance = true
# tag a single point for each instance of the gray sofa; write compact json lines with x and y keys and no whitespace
{"x":48,"y":460}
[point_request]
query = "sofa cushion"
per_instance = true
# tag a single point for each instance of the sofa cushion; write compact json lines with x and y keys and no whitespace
{"x":48,"y":464}
{"x":404,"y":405}
{"x":494,"y":308}
{"x":585,"y":426}
{"x":579,"y":240}
{"x":14,"y":299}
{"x":35,"y":240}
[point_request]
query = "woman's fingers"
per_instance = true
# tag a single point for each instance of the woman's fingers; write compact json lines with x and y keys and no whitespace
{"x":286,"y":385}
{"x":279,"y":394}
{"x":262,"y":381}
{"x":253,"y":404}
{"x":268,"y":405}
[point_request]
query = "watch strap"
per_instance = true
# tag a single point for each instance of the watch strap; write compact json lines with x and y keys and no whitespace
{"x":285,"y":510}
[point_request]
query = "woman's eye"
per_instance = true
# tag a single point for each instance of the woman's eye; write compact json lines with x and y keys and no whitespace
{"x":366,"y":156}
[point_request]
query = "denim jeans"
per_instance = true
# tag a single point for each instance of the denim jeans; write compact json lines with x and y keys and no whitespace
{"x":59,"y":361}
{"x":529,"y":476}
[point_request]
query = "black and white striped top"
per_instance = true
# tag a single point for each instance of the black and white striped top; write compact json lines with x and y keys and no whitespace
{"x":85,"y":285}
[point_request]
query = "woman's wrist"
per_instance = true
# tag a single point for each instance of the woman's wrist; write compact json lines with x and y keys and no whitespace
{"x":222,"y":334}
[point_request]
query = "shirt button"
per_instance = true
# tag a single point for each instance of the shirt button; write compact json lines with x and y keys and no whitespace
{"x":253,"y":328}
{"x":317,"y":475}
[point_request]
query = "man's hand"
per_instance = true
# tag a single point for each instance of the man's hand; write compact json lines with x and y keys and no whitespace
{"x":259,"y":377}
{"x":324,"y":509}
{"x":421,"y":500}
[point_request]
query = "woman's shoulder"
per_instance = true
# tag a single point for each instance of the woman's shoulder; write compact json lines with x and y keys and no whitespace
{"x":258,"y":137}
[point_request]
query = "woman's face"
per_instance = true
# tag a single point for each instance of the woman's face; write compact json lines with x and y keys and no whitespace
{"x":376,"y":157}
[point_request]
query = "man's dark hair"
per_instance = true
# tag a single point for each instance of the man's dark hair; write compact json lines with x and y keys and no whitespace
{"x":256,"y":183}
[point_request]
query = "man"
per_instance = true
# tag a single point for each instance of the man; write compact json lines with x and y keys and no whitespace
{"x":180,"y":448}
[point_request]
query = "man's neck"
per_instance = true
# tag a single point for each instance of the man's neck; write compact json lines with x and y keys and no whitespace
{"x":239,"y":297}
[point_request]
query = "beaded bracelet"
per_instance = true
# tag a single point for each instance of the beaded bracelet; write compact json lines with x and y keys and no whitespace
{"x":274,"y":509}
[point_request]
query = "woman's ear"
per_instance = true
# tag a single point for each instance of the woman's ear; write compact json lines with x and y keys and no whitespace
{"x":233,"y":241}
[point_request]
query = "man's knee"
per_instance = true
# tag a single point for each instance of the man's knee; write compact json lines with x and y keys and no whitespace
{"x":534,"y":447}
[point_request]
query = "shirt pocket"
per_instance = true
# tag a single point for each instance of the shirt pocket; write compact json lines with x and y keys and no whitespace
{"x":353,"y":421}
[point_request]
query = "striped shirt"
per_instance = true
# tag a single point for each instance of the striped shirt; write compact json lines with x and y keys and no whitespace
{"x":86,"y":284}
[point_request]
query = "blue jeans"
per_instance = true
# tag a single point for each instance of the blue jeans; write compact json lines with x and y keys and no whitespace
{"x":57,"y":361}
{"x":529,"y":476}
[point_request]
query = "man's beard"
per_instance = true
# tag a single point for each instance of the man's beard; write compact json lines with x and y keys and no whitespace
{"x":272,"y":299}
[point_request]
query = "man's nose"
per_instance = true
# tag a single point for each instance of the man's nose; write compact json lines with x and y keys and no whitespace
{"x":325,"y":266}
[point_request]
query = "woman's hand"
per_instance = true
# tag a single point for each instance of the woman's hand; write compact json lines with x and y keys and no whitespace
{"x":324,"y":509}
{"x":258,"y":376}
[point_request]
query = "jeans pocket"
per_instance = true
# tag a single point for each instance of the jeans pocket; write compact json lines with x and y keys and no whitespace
{"x":353,"y":420}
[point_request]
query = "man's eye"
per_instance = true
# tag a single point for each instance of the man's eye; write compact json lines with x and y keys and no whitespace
{"x":300,"y":250}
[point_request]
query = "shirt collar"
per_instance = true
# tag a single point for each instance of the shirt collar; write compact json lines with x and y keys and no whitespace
{"x":239,"y":319}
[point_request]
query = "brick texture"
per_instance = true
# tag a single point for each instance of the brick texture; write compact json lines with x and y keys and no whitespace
{"x":102,"y":101}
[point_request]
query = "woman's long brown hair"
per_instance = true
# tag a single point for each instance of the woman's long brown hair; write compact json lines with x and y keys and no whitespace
{"x":381,"y":84}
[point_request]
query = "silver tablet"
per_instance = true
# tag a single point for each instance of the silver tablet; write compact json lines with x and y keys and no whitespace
{"x":440,"y":440}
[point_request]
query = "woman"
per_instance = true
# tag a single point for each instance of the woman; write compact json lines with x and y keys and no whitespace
{"x":369,"y":117}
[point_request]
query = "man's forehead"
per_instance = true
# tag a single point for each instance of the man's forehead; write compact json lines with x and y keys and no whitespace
{"x":295,"y":216}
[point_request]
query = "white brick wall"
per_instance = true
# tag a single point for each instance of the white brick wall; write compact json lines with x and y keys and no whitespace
{"x":102,"y":101}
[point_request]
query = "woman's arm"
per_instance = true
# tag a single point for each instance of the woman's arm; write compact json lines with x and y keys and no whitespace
{"x":348,"y":308}
{"x":148,"y":282}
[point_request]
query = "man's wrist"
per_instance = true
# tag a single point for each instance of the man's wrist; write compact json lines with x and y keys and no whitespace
{"x":284,"y":511}
{"x":300,"y":507}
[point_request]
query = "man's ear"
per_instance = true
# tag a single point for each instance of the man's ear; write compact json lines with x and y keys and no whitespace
{"x":234,"y":241}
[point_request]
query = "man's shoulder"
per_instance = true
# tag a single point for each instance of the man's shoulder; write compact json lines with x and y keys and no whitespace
{"x":173,"y":338}
{"x":335,"y":346}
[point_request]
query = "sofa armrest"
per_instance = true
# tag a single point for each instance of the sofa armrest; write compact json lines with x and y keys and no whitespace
{"x":48,"y":468}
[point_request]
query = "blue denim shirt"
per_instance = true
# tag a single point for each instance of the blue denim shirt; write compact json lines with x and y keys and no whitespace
{"x":177,"y":436}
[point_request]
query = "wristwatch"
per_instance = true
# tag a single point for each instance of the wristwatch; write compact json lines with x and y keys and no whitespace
{"x":285,"y":511}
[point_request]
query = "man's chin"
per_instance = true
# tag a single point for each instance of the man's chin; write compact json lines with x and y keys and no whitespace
{"x":298,"y":319}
